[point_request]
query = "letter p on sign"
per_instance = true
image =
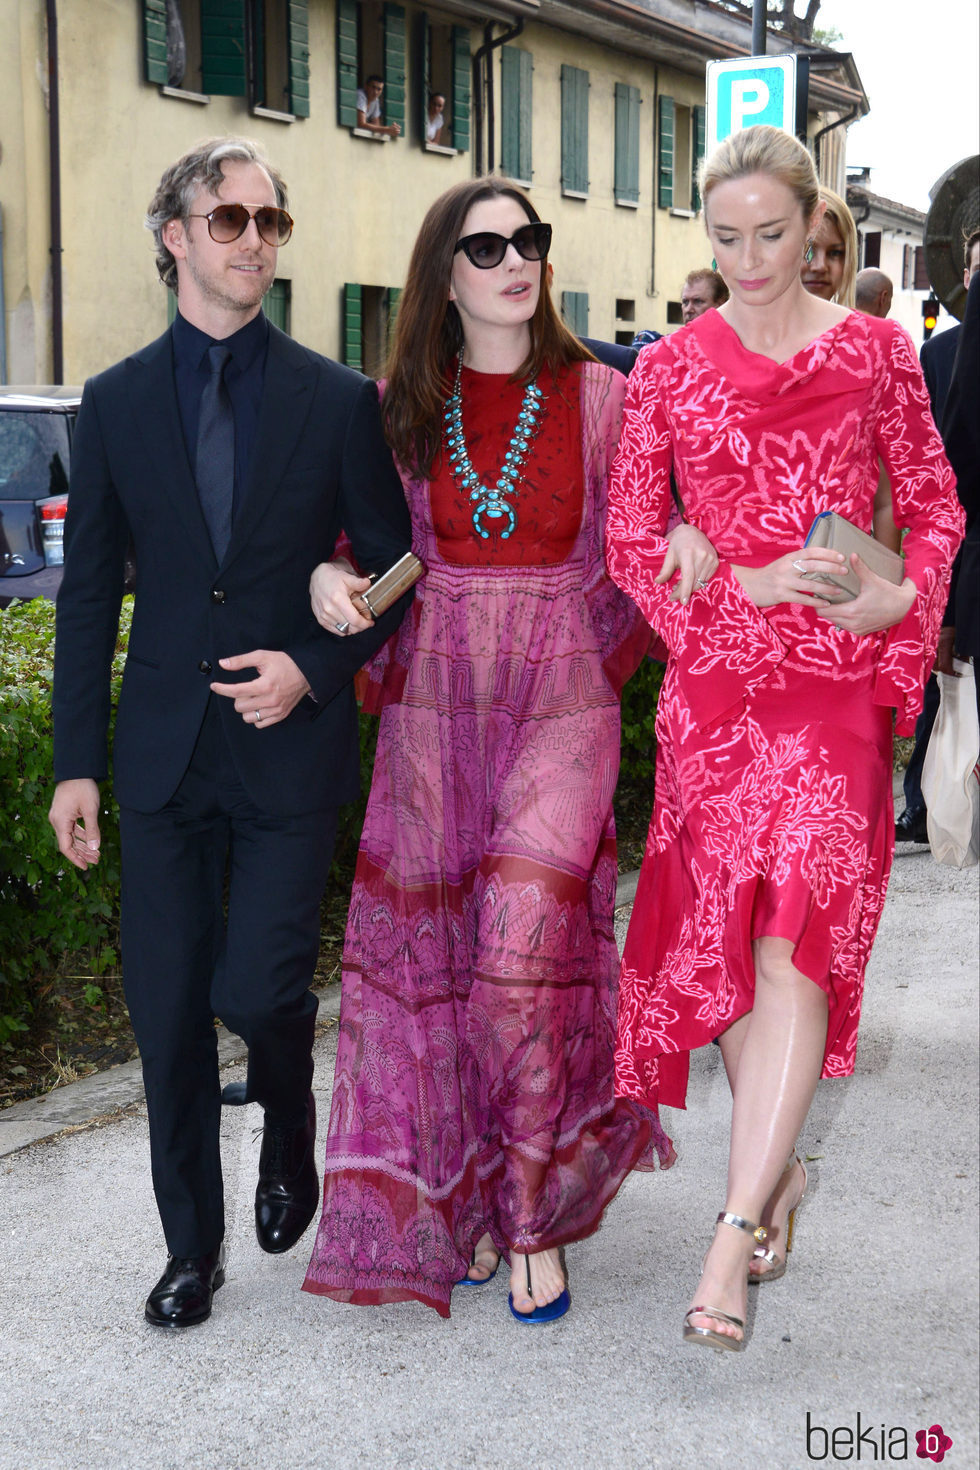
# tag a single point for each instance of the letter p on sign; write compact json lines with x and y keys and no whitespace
{"x":748,"y":100}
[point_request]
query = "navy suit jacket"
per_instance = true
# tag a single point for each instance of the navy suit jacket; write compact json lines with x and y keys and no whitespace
{"x":613,"y":354}
{"x":319,"y":462}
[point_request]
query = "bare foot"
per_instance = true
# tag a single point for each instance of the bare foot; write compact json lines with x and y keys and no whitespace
{"x":486,"y":1259}
{"x":724,"y":1281}
{"x":784,"y":1198}
{"x":547,"y":1280}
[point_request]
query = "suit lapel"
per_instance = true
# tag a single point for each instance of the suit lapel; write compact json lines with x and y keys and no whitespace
{"x":153,"y":398}
{"x":287,"y":396}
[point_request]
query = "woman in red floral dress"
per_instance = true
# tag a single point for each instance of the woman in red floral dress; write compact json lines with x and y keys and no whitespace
{"x":770,"y":846}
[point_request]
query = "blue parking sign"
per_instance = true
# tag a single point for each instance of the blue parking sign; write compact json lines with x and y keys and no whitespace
{"x":750,"y":90}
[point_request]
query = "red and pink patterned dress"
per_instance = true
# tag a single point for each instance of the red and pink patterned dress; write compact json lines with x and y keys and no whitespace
{"x":474,"y":1081}
{"x":773,"y":812}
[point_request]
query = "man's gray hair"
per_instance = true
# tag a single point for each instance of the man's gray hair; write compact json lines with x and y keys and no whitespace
{"x":199,"y":169}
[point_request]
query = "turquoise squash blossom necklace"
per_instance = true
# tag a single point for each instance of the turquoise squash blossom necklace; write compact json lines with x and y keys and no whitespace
{"x":491,"y":504}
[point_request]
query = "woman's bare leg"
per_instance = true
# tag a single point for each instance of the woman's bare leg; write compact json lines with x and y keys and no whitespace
{"x":791,"y":1183}
{"x":775,"y":1065}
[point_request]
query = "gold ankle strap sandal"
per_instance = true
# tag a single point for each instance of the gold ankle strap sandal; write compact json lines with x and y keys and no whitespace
{"x":705,"y":1336}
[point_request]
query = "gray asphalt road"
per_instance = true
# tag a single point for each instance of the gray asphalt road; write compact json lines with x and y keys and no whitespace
{"x":872,"y":1332}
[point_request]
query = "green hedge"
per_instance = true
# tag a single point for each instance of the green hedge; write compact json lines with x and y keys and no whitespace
{"x":47,"y":908}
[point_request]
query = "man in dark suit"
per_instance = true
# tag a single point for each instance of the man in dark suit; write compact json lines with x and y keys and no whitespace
{"x":232,"y":457}
{"x":937,"y":357}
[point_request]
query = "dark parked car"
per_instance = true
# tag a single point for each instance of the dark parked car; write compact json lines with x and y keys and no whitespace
{"x":36,"y":427}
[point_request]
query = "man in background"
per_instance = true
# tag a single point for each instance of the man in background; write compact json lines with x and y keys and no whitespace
{"x":873,"y":292}
{"x":702,"y":290}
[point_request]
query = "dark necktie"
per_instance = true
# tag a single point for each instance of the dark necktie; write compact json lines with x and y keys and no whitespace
{"x":215,"y":466}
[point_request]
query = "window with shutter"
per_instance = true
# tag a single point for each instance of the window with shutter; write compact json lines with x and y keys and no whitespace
{"x":299,"y":57}
{"x":155,"y":42}
{"x":394,"y":64}
{"x":347,"y":78}
{"x":352,"y":347}
{"x":626,"y":181}
{"x":516,"y":67}
{"x":574,"y":132}
{"x":462,"y":72}
{"x":665,"y":152}
{"x":575,"y":311}
{"x":698,"y":115}
{"x":223,"y":47}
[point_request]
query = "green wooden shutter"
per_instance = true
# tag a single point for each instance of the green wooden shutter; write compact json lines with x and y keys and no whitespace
{"x":276,"y":305}
{"x":665,"y":177}
{"x":574,"y":130}
{"x":155,"y":41}
{"x":462,"y":72}
{"x":698,"y":122}
{"x":515,"y":113}
{"x":575,"y":311}
{"x":299,"y":58}
{"x":423,"y":54}
{"x":353,"y":330}
{"x":394,"y":94}
{"x":347,"y":63}
{"x":223,"y":47}
{"x":392,"y":299}
{"x":626,"y":187}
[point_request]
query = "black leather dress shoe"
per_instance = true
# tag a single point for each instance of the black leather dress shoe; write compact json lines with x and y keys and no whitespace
{"x":911,"y":826}
{"x":182,"y":1296}
{"x":233,"y":1095}
{"x":289,"y":1189}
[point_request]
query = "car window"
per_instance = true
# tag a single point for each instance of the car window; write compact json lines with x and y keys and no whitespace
{"x":33,"y":455}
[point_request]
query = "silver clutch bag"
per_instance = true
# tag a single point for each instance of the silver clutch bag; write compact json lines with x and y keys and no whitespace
{"x":837,"y":533}
{"x":387,"y":588}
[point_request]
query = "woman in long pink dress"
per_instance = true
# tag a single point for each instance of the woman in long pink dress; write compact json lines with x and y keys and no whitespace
{"x":770,"y":846}
{"x":473,"y":1110}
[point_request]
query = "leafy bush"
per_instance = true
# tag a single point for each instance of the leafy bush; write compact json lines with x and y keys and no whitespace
{"x":47,"y":908}
{"x":639,"y":715}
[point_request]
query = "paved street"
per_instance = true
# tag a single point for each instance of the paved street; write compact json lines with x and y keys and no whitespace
{"x":875,"y":1318}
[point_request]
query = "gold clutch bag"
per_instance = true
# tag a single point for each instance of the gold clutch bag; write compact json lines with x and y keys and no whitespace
{"x":836,"y":533}
{"x":391,"y":585}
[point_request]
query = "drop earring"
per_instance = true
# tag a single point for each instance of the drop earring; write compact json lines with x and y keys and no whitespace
{"x":714,"y":264}
{"x":808,"y":252}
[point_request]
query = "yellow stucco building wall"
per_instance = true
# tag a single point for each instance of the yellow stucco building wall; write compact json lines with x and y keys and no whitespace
{"x":357,"y":203}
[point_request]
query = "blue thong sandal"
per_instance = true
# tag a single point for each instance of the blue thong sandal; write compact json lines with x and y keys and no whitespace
{"x":553,"y":1310}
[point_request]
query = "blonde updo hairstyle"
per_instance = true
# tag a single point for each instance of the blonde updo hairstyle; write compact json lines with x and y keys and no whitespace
{"x":763,"y":150}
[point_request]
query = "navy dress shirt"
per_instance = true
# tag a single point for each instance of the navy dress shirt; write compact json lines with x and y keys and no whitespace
{"x":244,"y":379}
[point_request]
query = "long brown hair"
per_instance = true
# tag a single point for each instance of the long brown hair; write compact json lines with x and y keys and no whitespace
{"x":429,"y":334}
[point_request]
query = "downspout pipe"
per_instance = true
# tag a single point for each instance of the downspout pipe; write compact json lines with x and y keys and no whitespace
{"x":841,"y":122}
{"x":54,"y":184}
{"x":3,"y":311}
{"x":483,"y":84}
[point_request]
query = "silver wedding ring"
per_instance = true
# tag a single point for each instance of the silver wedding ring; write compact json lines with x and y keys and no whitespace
{"x":703,"y":581}
{"x":258,"y":716}
{"x":799,"y":567}
{"x":342,"y":627}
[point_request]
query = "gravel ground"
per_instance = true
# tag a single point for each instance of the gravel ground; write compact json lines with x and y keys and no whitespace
{"x":872,"y":1332}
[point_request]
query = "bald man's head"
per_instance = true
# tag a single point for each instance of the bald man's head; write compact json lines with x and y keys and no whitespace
{"x":873,"y":292}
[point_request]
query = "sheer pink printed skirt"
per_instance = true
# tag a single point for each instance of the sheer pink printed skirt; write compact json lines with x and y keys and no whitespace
{"x":474,"y":1081}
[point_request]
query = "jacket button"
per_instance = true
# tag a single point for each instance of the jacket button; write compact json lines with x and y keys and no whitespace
{"x":217,"y":595}
{"x":204,"y":666}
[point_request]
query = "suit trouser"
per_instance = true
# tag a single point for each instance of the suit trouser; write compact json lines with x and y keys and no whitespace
{"x":186,"y":961}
